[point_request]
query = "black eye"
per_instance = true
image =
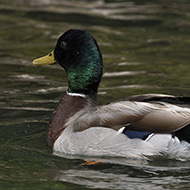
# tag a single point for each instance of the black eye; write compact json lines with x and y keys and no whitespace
{"x":63,"y":45}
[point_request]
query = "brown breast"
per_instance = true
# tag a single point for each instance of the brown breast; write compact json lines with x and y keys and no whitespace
{"x":67,"y":107}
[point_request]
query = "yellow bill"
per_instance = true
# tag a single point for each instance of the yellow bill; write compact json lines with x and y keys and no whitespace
{"x":45,"y":60}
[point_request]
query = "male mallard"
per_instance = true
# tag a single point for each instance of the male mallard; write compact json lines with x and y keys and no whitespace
{"x":79,"y":126}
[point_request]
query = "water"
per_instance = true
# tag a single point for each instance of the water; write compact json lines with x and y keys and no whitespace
{"x":146,"y":49}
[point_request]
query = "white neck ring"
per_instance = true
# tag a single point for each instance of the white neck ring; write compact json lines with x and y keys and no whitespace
{"x":76,"y":94}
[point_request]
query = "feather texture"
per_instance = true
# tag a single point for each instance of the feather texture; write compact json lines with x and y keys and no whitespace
{"x":99,"y":141}
{"x":143,"y":116}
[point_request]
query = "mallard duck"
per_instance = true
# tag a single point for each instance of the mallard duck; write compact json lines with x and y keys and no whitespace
{"x":135,"y":127}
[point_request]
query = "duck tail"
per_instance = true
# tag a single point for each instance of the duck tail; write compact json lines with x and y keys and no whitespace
{"x":183,"y":134}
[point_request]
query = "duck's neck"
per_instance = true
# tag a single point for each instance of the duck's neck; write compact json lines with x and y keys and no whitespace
{"x":68,"y":106}
{"x":84,"y":78}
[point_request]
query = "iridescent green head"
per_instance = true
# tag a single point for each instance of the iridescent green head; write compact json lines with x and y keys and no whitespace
{"x":78,"y":53}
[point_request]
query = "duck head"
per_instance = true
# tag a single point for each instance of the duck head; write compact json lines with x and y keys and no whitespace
{"x":78,"y":53}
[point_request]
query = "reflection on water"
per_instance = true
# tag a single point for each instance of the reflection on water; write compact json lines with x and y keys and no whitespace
{"x":145,"y":47}
{"x":110,"y":180}
{"x":120,"y":173}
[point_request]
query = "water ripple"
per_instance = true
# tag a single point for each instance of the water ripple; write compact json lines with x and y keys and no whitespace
{"x":123,"y":73}
{"x":128,"y":87}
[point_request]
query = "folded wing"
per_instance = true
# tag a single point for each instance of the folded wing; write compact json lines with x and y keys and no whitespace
{"x":157,"y":117}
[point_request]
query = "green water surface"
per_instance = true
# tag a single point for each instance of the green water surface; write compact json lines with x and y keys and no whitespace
{"x":146,"y":49}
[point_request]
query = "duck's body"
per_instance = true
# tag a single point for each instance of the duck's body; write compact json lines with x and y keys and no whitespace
{"x":100,"y":141}
{"x":90,"y":129}
{"x":79,"y":126}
